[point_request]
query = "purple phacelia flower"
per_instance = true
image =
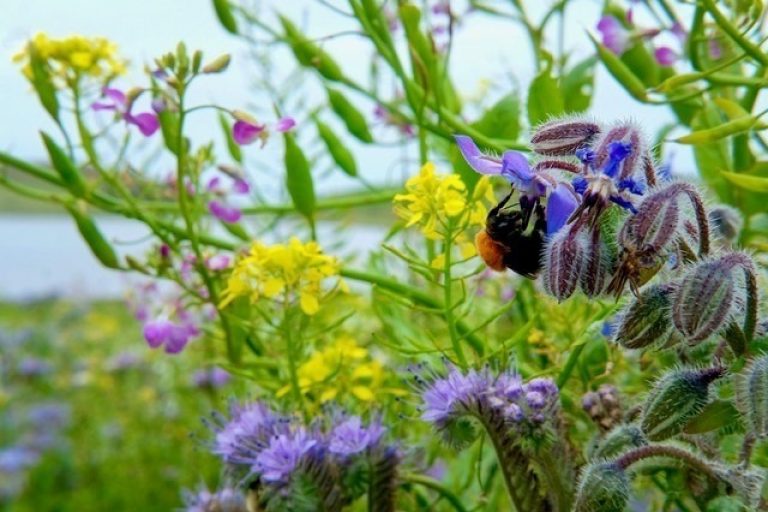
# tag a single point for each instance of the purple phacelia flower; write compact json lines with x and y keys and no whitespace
{"x":146,"y":122}
{"x":447,"y":397}
{"x":17,"y":458}
{"x":614,"y":36}
{"x":239,"y":439}
{"x":350,"y":437}
{"x":282,"y":455}
{"x":34,"y":367}
{"x":226,"y":499}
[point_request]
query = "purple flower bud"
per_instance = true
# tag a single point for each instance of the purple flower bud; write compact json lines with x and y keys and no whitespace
{"x":565,"y":261}
{"x":159,"y":105}
{"x":535,"y":400}
{"x":561,"y":137}
{"x":665,"y":56}
{"x":218,"y":262}
{"x":614,"y":36}
{"x":285,"y":124}
{"x":146,"y":122}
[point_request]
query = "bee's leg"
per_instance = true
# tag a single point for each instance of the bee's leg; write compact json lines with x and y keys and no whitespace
{"x":502,"y":203}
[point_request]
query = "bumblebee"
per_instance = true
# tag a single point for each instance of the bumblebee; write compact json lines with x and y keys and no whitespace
{"x":507,"y":241}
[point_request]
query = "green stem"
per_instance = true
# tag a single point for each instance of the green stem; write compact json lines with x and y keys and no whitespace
{"x":448,"y":299}
{"x":748,"y":46}
{"x":291,"y":354}
{"x":431,"y":483}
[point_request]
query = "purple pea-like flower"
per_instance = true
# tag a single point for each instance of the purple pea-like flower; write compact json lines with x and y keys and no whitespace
{"x":283,"y":454}
{"x":218,"y":262}
{"x":157,"y":332}
{"x":174,"y":337}
{"x":665,"y":56}
{"x":146,"y":122}
{"x":246,"y":132}
{"x":350,"y":437}
{"x":614,"y":36}
{"x":224,"y":212}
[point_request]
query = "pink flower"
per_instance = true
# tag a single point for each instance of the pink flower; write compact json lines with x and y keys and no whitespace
{"x":224,"y":212}
{"x":218,"y":262}
{"x":146,"y":122}
{"x":245,"y":132}
{"x":665,"y":56}
{"x":615,"y":36}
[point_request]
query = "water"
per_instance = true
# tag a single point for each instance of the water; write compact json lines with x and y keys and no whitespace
{"x":43,"y":256}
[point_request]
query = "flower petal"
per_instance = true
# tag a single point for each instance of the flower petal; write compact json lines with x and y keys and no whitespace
{"x":515,"y":167}
{"x":223,"y":212}
{"x":115,"y":95}
{"x":245,"y":133}
{"x":285,"y":124}
{"x":561,"y":204}
{"x":146,"y":123}
{"x":478,"y":161}
{"x":665,"y":56}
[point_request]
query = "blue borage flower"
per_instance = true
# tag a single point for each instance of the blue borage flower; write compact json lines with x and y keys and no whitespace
{"x":533,"y":184}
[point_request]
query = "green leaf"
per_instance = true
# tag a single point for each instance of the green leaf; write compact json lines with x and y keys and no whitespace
{"x":715,"y":415}
{"x":348,"y":113}
{"x":223,"y":10}
{"x":340,"y":154}
{"x":713,"y":158}
{"x":502,"y":120}
{"x":232,"y":146}
{"x":641,"y":62}
{"x":66,"y":169}
{"x":298,"y":178}
{"x":577,"y":85}
{"x":43,"y":84}
{"x":545,"y":98}
{"x":745,"y":181}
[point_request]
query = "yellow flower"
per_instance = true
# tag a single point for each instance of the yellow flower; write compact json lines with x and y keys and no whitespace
{"x":431,"y":200}
{"x":341,"y":369}
{"x":294,"y":270}
{"x":72,"y":57}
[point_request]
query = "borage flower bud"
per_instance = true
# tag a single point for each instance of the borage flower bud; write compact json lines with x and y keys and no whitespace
{"x":708,"y":298}
{"x":604,"y":487}
{"x":565,"y":261}
{"x":618,"y":440}
{"x":726,"y":222}
{"x":647,"y":320}
{"x":676,"y":399}
{"x":599,"y":266}
{"x":561,"y":137}
{"x":752,"y":395}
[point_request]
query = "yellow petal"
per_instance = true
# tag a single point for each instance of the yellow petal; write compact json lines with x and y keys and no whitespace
{"x":363,"y":393}
{"x":328,"y":394}
{"x":309,"y":303}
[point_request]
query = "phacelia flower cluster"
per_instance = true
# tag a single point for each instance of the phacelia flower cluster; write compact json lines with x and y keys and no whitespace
{"x":297,"y":271}
{"x":279,"y":455}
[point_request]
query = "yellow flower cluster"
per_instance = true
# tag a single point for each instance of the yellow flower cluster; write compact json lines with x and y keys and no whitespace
{"x":292,"y":269}
{"x":72,"y":57}
{"x":342,"y":368}
{"x":434,"y":201}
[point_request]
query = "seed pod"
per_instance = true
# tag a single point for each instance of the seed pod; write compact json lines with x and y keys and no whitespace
{"x":66,"y":169}
{"x":561,"y":137}
{"x":752,"y":395}
{"x":93,"y":237}
{"x":218,"y":64}
{"x":309,"y":54}
{"x":704,"y":302}
{"x":224,"y":13}
{"x":676,"y":399}
{"x":338,"y":151}
{"x":621,"y":72}
{"x":347,"y":112}
{"x":618,"y":440}
{"x":646,"y":321}
{"x":604,"y":487}
{"x":598,"y":267}
{"x":565,"y":261}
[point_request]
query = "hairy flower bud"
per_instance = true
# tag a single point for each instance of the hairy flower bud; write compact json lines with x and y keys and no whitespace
{"x":603,"y":406}
{"x":675,"y":399}
{"x":707,"y":298}
{"x":565,"y":261}
{"x":646,"y":321}
{"x":598,"y":267}
{"x":726,"y":222}
{"x":752,"y":395}
{"x":604,"y":487}
{"x":618,"y":440}
{"x":563,"y":136}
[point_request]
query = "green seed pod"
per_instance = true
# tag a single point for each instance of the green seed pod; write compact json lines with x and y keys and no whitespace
{"x":621,"y":438}
{"x":299,"y":178}
{"x":604,"y":487}
{"x":621,"y":72}
{"x":43,"y":83}
{"x":752,"y":395}
{"x":338,"y":151}
{"x":353,"y":119}
{"x":676,"y":398}
{"x":309,"y":54}
{"x":67,"y":170}
{"x":646,"y":321}
{"x":739,"y":125}
{"x":93,"y":237}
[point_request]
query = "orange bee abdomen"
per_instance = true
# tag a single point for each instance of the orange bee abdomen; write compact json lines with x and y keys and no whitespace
{"x":491,"y":251}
